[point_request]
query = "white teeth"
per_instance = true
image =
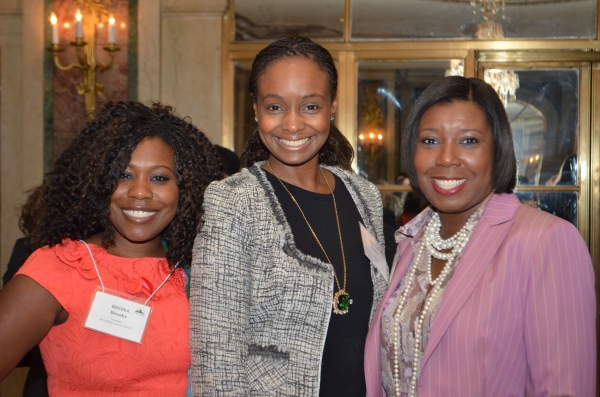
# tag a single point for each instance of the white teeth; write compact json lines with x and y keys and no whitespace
{"x":294,"y":143}
{"x":449,"y":184}
{"x":138,"y":214}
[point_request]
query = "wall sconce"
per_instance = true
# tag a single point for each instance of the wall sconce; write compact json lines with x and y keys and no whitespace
{"x":371,"y":140}
{"x":85,"y":46}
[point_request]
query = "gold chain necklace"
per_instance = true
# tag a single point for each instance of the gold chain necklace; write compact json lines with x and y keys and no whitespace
{"x":341,"y":300}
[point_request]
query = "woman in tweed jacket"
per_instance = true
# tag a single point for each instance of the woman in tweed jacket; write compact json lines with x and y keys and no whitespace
{"x":280,"y":239}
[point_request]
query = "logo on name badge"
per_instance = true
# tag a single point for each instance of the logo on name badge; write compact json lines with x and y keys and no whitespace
{"x":140,"y":312}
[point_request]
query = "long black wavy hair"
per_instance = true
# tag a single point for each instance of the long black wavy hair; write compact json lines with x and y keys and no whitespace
{"x":336,"y":151}
{"x":76,"y":195}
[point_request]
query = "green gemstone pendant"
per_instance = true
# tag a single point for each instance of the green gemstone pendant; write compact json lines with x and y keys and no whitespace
{"x":341,"y":302}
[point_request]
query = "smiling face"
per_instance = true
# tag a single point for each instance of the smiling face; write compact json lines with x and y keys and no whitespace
{"x":145,"y":200}
{"x":294,"y":108}
{"x":454,"y":157}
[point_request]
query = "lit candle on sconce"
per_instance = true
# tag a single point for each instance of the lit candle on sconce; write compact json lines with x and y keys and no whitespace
{"x":78,"y":25}
{"x":95,"y":17}
{"x":112,"y":32}
{"x":54,"y":21}
{"x":371,"y":138}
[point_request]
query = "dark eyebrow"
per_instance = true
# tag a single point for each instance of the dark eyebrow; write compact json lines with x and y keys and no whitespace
{"x":307,"y":96}
{"x":156,"y":167}
{"x":310,"y":96}
{"x":162,"y":166}
{"x":272,"y":96}
{"x":462,"y":130}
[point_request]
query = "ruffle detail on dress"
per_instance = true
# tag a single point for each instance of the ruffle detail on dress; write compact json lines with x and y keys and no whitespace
{"x":75,"y":254}
{"x":134,"y":276}
{"x":141,"y":276}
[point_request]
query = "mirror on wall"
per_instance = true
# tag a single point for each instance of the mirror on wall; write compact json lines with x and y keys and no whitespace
{"x":386,"y":92}
{"x":271,"y":20}
{"x":544,"y":121}
{"x":416,"y":19}
{"x":528,"y":126}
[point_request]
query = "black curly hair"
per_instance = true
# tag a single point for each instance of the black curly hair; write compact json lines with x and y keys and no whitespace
{"x":337,"y":151}
{"x":77,"y":193}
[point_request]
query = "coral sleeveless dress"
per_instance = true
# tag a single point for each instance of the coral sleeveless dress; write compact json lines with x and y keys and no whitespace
{"x":83,"y":362}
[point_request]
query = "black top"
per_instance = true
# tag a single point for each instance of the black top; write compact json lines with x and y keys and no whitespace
{"x":342,"y":372}
{"x":18,"y":256}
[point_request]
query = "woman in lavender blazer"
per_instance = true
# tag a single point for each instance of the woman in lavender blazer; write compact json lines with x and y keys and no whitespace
{"x":489,"y":297}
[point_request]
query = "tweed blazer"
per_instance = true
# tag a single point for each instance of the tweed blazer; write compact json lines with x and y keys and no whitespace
{"x":518,"y":317}
{"x":260,"y":308}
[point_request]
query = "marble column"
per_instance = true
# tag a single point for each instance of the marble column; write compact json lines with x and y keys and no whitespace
{"x":21,"y":126}
{"x":11,"y":126}
{"x":190,"y":61}
{"x":148,"y":51}
{"x":21,"y":117}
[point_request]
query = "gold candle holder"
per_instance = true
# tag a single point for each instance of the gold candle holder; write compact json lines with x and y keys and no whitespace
{"x":93,"y":10}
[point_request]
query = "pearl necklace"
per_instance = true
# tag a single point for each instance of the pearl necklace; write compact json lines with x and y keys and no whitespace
{"x":433,"y":243}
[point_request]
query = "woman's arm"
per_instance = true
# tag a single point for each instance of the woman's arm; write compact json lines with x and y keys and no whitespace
{"x":27,"y":312}
{"x":560,"y":315}
{"x":220,"y":296}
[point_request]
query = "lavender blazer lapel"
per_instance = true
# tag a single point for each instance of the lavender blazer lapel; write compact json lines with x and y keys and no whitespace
{"x":485,"y":241}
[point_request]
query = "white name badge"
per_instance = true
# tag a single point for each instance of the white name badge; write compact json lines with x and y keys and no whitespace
{"x":374,"y":251}
{"x":116,"y":316}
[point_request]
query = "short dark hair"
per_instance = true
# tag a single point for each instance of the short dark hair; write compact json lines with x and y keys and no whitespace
{"x":474,"y":90}
{"x":76,"y":194}
{"x":337,"y":150}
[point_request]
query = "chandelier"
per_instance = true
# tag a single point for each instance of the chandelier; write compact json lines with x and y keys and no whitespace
{"x":489,"y":29}
{"x":457,"y":68}
{"x":505,"y":82}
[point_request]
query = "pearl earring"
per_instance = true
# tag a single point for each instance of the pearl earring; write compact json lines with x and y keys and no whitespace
{"x":332,"y":118}
{"x":256,"y":119}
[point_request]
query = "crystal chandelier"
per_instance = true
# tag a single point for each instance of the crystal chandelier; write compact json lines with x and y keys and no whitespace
{"x":488,"y":8}
{"x":488,"y":28}
{"x":457,"y":68}
{"x":505,"y":82}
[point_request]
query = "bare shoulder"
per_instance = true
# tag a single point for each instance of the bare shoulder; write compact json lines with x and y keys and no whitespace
{"x":27,"y":313}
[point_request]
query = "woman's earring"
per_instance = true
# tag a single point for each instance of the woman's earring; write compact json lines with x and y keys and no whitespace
{"x":256,"y":119}
{"x":332,"y":118}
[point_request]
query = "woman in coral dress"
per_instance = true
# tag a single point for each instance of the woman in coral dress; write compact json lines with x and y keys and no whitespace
{"x":104,"y":294}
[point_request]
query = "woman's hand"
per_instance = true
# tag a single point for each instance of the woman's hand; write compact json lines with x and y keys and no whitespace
{"x":27,"y":313}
